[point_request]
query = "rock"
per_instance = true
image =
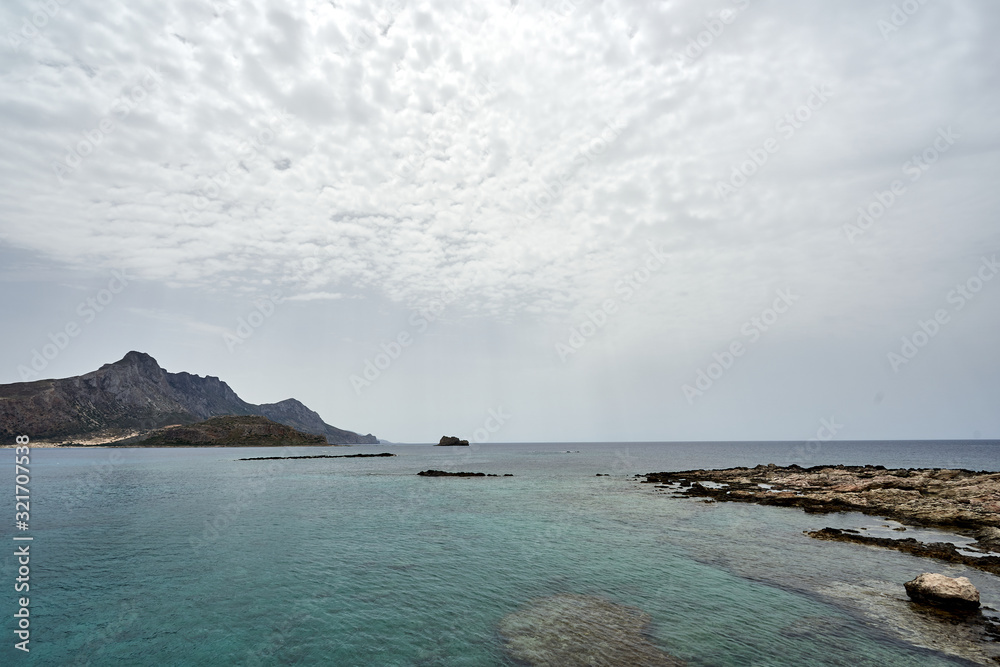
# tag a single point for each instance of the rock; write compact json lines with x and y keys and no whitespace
{"x":318,"y":456}
{"x":952,"y":499}
{"x":452,"y":441}
{"x":956,"y":594}
{"x":442,"y":473}
{"x":989,"y":538}
{"x":945,"y":551}
{"x":581,"y":631}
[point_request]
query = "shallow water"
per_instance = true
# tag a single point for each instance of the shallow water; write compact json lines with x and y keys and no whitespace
{"x":182,"y":556}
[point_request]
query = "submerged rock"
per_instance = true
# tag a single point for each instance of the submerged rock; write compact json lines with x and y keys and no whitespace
{"x":581,"y":631}
{"x":970,"y":637}
{"x":945,"y":551}
{"x":956,"y":594}
{"x":989,"y":538}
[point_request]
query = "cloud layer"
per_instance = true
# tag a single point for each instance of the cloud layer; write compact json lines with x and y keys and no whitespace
{"x":524,"y":157}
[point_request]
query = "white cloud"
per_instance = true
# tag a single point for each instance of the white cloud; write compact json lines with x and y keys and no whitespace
{"x":419,"y":136}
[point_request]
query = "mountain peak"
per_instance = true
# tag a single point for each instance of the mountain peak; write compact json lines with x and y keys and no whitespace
{"x":134,"y":357}
{"x":136,"y":393}
{"x":142,"y":362}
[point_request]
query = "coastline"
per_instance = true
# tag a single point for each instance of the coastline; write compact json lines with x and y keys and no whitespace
{"x":957,"y":499}
{"x":963,"y":502}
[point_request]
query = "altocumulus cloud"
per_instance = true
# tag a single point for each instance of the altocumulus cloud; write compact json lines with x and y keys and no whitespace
{"x":400,"y":173}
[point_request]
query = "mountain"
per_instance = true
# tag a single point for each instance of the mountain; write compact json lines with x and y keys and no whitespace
{"x":242,"y":431}
{"x":136,"y":394}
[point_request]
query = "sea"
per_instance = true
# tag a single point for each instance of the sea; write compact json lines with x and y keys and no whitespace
{"x":190,"y":556}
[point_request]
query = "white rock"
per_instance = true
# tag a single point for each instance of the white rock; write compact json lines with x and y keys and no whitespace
{"x":941,"y":591}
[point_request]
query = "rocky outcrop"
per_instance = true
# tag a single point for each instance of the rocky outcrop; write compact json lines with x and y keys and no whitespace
{"x":953,"y":594}
{"x":989,"y":538}
{"x":581,"y":631}
{"x":136,"y":394}
{"x":318,"y":456}
{"x":442,"y":473}
{"x":452,"y":441}
{"x":243,"y":431}
{"x":944,"y":551}
{"x":931,"y":497}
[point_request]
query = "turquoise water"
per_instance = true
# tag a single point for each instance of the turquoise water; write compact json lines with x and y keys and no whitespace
{"x":188,"y":557}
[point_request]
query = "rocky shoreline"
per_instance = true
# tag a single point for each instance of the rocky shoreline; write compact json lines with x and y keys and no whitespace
{"x":962,"y":502}
{"x":945,"y":551}
{"x":959,"y":500}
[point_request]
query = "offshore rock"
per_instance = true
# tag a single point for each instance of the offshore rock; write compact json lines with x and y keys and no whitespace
{"x":581,"y":631}
{"x":451,"y":441}
{"x":442,"y":473}
{"x":953,"y":594}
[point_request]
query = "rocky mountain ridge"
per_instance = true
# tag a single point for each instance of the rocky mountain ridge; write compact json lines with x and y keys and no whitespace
{"x":136,"y":394}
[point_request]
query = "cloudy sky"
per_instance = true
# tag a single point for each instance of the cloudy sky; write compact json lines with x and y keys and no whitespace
{"x":733,"y":219}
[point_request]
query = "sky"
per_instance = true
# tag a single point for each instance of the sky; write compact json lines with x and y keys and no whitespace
{"x":516,"y":221}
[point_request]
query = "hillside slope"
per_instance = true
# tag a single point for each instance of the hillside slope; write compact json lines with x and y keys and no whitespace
{"x":135,"y":393}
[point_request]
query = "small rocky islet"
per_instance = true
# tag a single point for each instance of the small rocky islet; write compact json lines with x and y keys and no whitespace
{"x":442,"y":473}
{"x":451,"y":441}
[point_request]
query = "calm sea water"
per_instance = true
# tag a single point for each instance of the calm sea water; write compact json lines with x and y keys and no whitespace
{"x":189,"y":557}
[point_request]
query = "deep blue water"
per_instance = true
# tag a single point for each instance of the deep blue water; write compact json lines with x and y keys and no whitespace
{"x":189,"y":557}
